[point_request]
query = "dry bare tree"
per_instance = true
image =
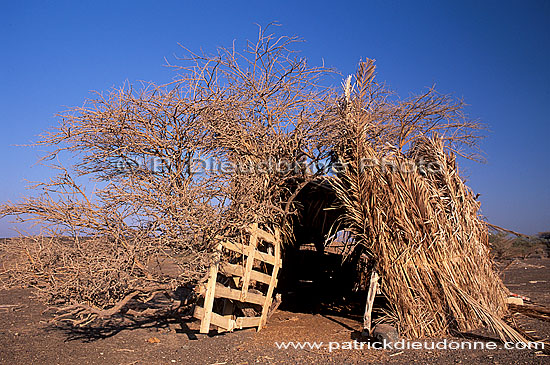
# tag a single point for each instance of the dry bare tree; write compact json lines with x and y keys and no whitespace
{"x":155,"y":205}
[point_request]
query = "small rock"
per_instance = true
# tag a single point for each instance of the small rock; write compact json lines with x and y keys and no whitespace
{"x":385,"y":332}
{"x":514,"y":300}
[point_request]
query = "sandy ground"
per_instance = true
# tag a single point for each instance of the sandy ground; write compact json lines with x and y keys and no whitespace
{"x":27,"y":338}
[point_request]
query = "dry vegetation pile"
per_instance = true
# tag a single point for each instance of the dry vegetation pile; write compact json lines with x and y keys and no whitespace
{"x":408,"y":207}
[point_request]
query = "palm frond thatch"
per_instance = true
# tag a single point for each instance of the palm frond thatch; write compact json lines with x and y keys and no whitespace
{"x":419,"y":222}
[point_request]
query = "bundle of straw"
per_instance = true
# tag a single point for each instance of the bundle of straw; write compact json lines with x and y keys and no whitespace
{"x":419,"y":222}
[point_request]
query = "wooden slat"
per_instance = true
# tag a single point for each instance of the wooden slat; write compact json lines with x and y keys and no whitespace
{"x":260,"y":276}
{"x":225,"y":292}
{"x":242,"y":249}
{"x":198,"y":312}
{"x":209,"y":298}
{"x":273,"y":281}
{"x":237,"y":270}
{"x":373,"y":288}
{"x":270,"y":259}
{"x":243,"y":322}
{"x":231,"y":269}
{"x":226,"y":323}
{"x":245,"y":250}
{"x":261,"y":234}
{"x":249,"y":263}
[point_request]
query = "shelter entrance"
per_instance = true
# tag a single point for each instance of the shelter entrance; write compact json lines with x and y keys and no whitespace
{"x":257,"y":274}
{"x":312,"y":281}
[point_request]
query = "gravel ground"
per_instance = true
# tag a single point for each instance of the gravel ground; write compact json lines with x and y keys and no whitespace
{"x":27,"y":338}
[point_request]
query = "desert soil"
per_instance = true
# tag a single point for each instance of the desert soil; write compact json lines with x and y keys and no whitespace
{"x":26,"y":337}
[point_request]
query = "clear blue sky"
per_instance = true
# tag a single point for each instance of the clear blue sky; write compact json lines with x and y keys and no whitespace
{"x":495,"y":54}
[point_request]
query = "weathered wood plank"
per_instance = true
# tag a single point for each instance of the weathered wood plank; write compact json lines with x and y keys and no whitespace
{"x":261,"y":234}
{"x":243,"y":322}
{"x":249,"y":262}
{"x":273,"y":281}
{"x":242,"y":249}
{"x":209,"y":298}
{"x":228,"y":324}
{"x":259,"y":276}
{"x":235,"y":294}
{"x":267,"y":258}
{"x":246,"y":249}
{"x":238,"y":270}
{"x":373,"y":288}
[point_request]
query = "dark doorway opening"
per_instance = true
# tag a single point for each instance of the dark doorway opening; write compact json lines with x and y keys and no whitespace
{"x":320,"y":282}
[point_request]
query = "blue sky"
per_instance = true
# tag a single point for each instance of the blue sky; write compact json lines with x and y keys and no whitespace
{"x":494,"y":54}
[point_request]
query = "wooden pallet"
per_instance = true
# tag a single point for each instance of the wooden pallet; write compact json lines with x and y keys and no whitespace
{"x":242,"y":274}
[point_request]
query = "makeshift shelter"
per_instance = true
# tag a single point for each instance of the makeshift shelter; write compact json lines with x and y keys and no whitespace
{"x":389,"y":180}
{"x":413,"y":216}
